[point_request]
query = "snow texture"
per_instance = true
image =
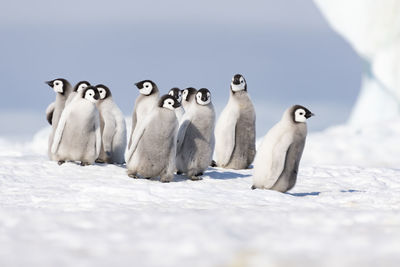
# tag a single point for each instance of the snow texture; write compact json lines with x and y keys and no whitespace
{"x":96,"y":215}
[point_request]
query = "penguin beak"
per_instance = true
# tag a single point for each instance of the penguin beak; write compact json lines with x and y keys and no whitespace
{"x":49,"y":83}
{"x":176,"y":104}
{"x":309,"y":115}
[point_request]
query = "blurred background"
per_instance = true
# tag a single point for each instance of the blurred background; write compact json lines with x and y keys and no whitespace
{"x":285,"y":49}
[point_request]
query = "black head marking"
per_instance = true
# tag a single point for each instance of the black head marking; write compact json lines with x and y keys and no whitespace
{"x":96,"y":92}
{"x":191,"y":92}
{"x":307,"y":114}
{"x":165,"y":97}
{"x":175,"y":92}
{"x":204,"y":94}
{"x":140,"y":85}
{"x":108,"y":92}
{"x":79,"y":84}
{"x":66,"y":84}
{"x":237,"y":80}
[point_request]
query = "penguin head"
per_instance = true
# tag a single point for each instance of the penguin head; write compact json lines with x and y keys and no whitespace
{"x":91,"y":94}
{"x":80,"y":86}
{"x":146,"y":87}
{"x":238,"y":83}
{"x":103,"y":91}
{"x":176,"y":92}
{"x":169,"y":102}
{"x":300,"y":114}
{"x":59,"y":85}
{"x":188,"y":93}
{"x":203,"y":97}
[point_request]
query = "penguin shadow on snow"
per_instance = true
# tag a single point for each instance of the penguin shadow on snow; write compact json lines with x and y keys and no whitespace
{"x":225,"y":175}
{"x":318,"y":193}
{"x":304,"y":194}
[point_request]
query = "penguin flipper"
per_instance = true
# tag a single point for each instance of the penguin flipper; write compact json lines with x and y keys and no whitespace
{"x":181,"y":133}
{"x":136,"y":136}
{"x":98,"y":134}
{"x":49,"y":113}
{"x":60,"y":129}
{"x":276,"y":164}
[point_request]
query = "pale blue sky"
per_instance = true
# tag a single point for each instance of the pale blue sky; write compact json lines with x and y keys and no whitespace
{"x":285,"y":49}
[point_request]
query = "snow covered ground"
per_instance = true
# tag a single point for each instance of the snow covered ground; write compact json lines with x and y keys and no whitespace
{"x":337,"y":214}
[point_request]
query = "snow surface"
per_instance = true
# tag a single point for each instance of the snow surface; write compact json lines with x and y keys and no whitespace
{"x":96,"y":215}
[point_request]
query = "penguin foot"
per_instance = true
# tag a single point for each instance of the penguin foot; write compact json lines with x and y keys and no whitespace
{"x":133,"y":175}
{"x":253,"y":187}
{"x":165,"y":181}
{"x":99,"y":161}
{"x":84,"y":163}
{"x":61,"y":162}
{"x":147,"y":178}
{"x":213,"y":163}
{"x":196,"y":178}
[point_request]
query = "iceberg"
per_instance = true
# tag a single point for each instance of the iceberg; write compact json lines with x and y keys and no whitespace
{"x":373,"y":29}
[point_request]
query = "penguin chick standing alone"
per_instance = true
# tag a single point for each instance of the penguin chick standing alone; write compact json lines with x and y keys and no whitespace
{"x":177,"y":93}
{"x":53,"y":113}
{"x":77,"y":88}
{"x":235,"y":132}
{"x":113,"y":128}
{"x":78,"y":136}
{"x":196,"y":137}
{"x":153,"y":149}
{"x":144,"y":103}
{"x":277,"y":160}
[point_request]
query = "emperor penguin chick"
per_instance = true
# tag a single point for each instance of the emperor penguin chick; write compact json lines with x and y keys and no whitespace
{"x":188,"y":97}
{"x":113,"y":128}
{"x":153,"y":149}
{"x":235,"y":132}
{"x":278,"y":157}
{"x":62,"y":88}
{"x":177,"y":93}
{"x":79,"y":87}
{"x":145,"y":102}
{"x":196,"y":137}
{"x":78,"y":136}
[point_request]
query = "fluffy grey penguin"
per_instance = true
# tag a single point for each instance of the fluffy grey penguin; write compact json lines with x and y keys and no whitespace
{"x":188,"y":97}
{"x":196,"y":137}
{"x":177,"y":93}
{"x":77,"y":88}
{"x":62,"y":88}
{"x":78,"y":136}
{"x":235,"y":132}
{"x":278,"y":157}
{"x":113,"y":128}
{"x":153,"y":149}
{"x":144,"y":103}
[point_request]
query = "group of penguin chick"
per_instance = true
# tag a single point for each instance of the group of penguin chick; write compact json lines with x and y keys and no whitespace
{"x":174,"y":133}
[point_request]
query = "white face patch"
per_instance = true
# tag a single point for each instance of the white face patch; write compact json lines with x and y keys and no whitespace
{"x":179,"y":97}
{"x":81,"y":87}
{"x":169,"y":104}
{"x":147,"y":88}
{"x":238,"y":87}
{"x":102,"y":92}
{"x":89,"y":95}
{"x":201,"y":102}
{"x":58,"y":86}
{"x":185,"y":94}
{"x":300,"y":115}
